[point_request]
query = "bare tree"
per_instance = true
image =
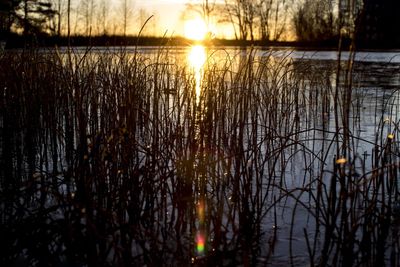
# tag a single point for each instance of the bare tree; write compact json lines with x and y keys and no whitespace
{"x":234,"y":14}
{"x":33,"y":16}
{"x":126,"y":11}
{"x":205,"y":9}
{"x":69,"y":22}
{"x":87,"y":11}
{"x":104,"y":11}
{"x":316,"y":20}
{"x":265,"y":19}
{"x":280,"y":18}
{"x":265,"y":9}
{"x":58,"y":7}
{"x":249,"y":11}
{"x":273,"y":18}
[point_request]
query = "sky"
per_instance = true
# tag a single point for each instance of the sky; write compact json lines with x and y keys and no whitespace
{"x":167,"y":12}
{"x":167,"y":15}
{"x":170,"y":14}
{"x":170,"y":18}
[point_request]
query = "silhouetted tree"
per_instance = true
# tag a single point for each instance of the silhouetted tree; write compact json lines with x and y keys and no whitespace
{"x":249,"y":10}
{"x":69,"y":21}
{"x":30,"y":16}
{"x":103,"y":16}
{"x":272,"y":16}
{"x":316,"y":20}
{"x":266,"y":17}
{"x":87,"y":11}
{"x":240,"y":14}
{"x":126,"y":11}
{"x":34,"y":16}
{"x":7,"y":17}
{"x":205,"y":8}
{"x":378,"y":24}
{"x":57,"y":21}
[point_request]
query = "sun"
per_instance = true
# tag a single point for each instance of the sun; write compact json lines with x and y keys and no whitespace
{"x":195,"y":29}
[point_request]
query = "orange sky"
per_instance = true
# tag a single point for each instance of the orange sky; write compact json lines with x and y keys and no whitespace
{"x":168,"y":17}
{"x":167,"y":13}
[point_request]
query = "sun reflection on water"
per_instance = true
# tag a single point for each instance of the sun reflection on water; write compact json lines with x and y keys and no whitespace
{"x":197,"y":57}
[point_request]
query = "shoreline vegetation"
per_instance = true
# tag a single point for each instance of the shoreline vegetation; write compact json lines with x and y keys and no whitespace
{"x":15,"y":41}
{"x":116,"y":159}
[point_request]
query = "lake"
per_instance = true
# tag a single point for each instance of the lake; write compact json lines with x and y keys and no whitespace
{"x":196,"y":156}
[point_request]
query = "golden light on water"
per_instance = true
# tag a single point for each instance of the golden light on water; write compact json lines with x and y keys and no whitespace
{"x":197,"y":57}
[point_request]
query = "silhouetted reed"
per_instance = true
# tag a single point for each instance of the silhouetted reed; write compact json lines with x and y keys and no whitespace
{"x":112,"y":159}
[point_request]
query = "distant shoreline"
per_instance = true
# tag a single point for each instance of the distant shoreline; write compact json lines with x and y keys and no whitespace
{"x":18,"y":41}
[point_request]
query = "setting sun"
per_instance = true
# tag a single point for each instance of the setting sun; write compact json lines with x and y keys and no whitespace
{"x":195,"y":29}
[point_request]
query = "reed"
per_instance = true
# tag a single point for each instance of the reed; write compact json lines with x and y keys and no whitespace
{"x":111,"y":159}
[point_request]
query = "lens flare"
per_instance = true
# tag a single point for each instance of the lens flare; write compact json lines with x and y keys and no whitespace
{"x":200,"y":243}
{"x":341,"y":161}
{"x":200,"y":211}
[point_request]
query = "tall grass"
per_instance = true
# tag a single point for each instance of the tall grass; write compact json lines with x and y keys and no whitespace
{"x":110,"y":159}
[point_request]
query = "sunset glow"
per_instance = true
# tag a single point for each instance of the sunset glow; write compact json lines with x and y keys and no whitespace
{"x":195,"y":29}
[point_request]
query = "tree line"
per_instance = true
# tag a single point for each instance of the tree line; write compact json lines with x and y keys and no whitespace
{"x":272,"y":20}
{"x":77,"y":17}
{"x":265,"y":20}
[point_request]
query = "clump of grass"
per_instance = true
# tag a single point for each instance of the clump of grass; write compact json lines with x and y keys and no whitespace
{"x":112,"y":159}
